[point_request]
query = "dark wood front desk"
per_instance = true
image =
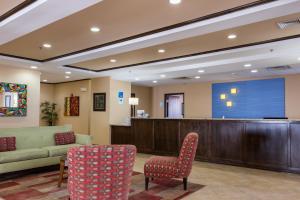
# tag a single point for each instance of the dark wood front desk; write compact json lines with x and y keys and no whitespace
{"x":264,"y":144}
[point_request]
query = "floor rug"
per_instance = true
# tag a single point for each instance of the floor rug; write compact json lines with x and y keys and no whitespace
{"x":43,"y":186}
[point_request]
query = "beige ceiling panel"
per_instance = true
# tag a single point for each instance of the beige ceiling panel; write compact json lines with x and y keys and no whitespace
{"x":252,"y":33}
{"x":118,"y":19}
{"x":7,"y":5}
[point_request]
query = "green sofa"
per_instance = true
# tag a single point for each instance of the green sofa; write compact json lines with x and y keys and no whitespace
{"x":36,"y":147}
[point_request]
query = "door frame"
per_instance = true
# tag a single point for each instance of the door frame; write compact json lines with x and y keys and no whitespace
{"x":166,"y":104}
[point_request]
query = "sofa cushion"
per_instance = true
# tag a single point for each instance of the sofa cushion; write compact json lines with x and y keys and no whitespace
{"x":23,"y":154}
{"x":7,"y":144}
{"x":59,"y":150}
{"x":65,"y":138}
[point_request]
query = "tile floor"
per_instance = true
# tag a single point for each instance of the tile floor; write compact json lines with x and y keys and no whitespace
{"x":223,"y":182}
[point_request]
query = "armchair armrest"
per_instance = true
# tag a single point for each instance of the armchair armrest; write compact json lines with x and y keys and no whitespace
{"x":83,"y":139}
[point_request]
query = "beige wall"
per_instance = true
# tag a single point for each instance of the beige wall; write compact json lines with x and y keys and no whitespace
{"x":47,"y":94}
{"x":32,"y":79}
{"x":145,"y":98}
{"x":198,"y":101}
{"x":115,"y":113}
{"x":197,"y":97}
{"x":99,"y":123}
{"x":119,"y":113}
{"x":292,"y":100}
{"x":95,"y":123}
{"x":81,"y":123}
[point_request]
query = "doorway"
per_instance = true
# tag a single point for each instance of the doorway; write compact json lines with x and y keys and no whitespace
{"x":174,"y":105}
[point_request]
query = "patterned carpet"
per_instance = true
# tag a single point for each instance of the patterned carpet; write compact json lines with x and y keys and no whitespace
{"x":44,"y":187}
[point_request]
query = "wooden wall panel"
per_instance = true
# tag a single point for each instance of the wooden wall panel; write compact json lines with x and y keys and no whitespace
{"x":266,"y":144}
{"x":143,"y":135}
{"x":202,"y":127}
{"x":227,"y":141}
{"x":295,"y":145}
{"x":166,"y":136}
{"x":121,"y":135}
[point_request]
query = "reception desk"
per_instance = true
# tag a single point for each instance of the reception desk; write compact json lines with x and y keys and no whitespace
{"x":264,"y":144}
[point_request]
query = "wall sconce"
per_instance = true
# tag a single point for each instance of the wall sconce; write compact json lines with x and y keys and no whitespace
{"x":133,"y":101}
{"x":233,"y":91}
{"x":223,"y":96}
{"x":229,"y":103}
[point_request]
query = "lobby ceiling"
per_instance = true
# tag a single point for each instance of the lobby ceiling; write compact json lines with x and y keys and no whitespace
{"x":9,"y":5}
{"x":130,"y":33}
{"x":117,"y":20}
{"x":246,"y":35}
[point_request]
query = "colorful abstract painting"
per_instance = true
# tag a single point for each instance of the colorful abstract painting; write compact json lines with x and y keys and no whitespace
{"x":13,"y":100}
{"x":72,"y":106}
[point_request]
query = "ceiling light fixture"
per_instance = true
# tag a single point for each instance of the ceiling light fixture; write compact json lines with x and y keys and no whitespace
{"x":163,"y":76}
{"x":67,"y":77}
{"x":154,"y":81}
{"x":197,"y":77}
{"x":95,"y":29}
{"x":299,"y":58}
{"x":161,"y":50}
{"x":201,"y":71}
{"x":174,"y":2}
{"x":47,"y":45}
{"x":68,"y":72}
{"x":254,"y":71}
{"x":137,"y":78}
{"x":45,"y":80}
{"x":231,"y":36}
{"x":33,"y":67}
{"x":113,"y":60}
{"x":248,"y":65}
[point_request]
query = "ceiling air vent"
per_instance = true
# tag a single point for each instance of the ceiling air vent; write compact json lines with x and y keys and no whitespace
{"x":285,"y":24}
{"x":183,"y":78}
{"x":279,"y":68}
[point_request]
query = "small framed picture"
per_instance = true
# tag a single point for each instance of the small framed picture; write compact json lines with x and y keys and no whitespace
{"x":99,"y":102}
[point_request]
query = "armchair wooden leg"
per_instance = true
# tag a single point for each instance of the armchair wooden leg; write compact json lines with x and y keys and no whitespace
{"x":185,"y":183}
{"x":146,"y":183}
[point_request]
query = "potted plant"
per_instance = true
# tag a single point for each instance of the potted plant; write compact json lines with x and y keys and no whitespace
{"x":49,"y":113}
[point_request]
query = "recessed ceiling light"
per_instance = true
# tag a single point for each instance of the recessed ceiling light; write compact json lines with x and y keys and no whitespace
{"x":95,"y":29}
{"x":113,"y":60}
{"x":154,"y":81}
{"x":197,"y":77}
{"x":254,"y":71}
{"x":299,"y":58}
{"x":161,"y":50}
{"x":45,"y":80}
{"x":162,"y":76}
{"x":248,"y":65}
{"x":68,"y":72}
{"x":231,"y":36}
{"x":67,"y":77}
{"x":33,"y":67}
{"x":175,"y":2}
{"x":137,"y":78}
{"x":201,"y":71}
{"x":47,"y":45}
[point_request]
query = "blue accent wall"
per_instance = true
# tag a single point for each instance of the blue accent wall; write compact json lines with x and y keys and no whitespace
{"x":254,"y":99}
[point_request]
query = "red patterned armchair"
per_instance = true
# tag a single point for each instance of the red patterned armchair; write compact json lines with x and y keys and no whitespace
{"x":100,"y":172}
{"x":172,"y":167}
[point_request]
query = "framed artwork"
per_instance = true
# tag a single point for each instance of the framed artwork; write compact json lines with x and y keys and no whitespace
{"x":72,"y":106}
{"x":13,"y":100}
{"x":99,"y":102}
